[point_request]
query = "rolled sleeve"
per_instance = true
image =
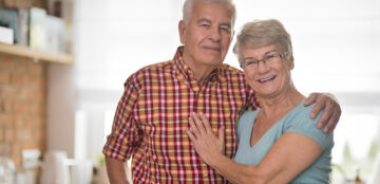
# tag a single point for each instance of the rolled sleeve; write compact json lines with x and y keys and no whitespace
{"x":124,"y":137}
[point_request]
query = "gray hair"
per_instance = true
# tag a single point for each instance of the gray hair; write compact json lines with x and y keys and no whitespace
{"x":188,"y":7}
{"x":260,"y":33}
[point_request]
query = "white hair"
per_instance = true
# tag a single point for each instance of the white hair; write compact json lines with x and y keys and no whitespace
{"x":188,"y":7}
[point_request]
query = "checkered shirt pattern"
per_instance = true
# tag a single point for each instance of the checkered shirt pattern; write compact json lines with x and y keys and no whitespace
{"x":152,"y":118}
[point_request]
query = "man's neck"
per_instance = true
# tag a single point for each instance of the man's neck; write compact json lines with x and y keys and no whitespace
{"x":200,"y":72}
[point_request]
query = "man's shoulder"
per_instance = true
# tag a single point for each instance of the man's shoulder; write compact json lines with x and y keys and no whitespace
{"x":230,"y":70}
{"x":159,"y":66}
{"x":151,"y":70}
{"x":155,"y":68}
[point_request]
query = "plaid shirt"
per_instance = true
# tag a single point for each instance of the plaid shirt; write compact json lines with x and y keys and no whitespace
{"x":152,"y":118}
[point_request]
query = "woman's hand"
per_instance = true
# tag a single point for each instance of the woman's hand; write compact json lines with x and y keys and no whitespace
{"x":203,"y":139}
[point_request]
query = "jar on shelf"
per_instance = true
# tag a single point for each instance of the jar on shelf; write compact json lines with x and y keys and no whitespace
{"x":7,"y":171}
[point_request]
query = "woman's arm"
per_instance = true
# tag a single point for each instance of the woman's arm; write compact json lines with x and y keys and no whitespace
{"x":288,"y":157}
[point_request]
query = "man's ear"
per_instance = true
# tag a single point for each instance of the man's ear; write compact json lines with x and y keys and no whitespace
{"x":181,"y":31}
{"x":232,"y":34}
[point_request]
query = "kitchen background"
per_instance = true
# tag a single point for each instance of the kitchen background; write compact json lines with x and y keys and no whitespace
{"x":56,"y":109}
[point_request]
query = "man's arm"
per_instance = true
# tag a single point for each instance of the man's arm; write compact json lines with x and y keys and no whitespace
{"x":116,"y":171}
{"x":120,"y":144}
{"x":331,"y":110}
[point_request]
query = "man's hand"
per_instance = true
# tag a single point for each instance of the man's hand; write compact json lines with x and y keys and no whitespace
{"x":332,"y":110}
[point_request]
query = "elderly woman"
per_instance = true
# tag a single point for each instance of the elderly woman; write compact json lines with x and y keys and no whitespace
{"x":278,"y":143}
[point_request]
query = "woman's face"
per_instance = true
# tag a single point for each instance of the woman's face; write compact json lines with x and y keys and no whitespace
{"x":266,"y":70}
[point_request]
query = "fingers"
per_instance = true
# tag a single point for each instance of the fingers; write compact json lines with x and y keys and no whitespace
{"x":317,"y":100}
{"x":325,"y":117}
{"x":221,"y":135}
{"x":191,"y":135}
{"x":205,"y":122}
{"x":203,"y":138}
{"x":324,"y":121}
{"x":330,"y":118}
{"x":319,"y":105}
{"x":197,"y":124}
{"x":201,"y":122}
{"x":335,"y":121}
{"x":330,"y":125}
{"x":311,"y":99}
{"x":331,"y":111}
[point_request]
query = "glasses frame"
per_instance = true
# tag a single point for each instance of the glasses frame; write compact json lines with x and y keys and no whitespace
{"x":266,"y":57}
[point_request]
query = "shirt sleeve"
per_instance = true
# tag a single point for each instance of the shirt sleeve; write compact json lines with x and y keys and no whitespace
{"x":124,"y":137}
{"x":303,"y":124}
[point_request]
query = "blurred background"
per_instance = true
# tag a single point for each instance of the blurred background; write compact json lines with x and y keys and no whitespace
{"x":336,"y":48}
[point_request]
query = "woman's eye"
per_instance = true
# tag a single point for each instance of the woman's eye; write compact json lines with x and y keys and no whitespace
{"x":250,"y":62}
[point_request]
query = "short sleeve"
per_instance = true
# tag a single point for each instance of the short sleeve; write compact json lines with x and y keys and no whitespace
{"x":303,"y":124}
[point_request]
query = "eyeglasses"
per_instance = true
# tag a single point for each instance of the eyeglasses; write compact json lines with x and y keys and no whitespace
{"x":268,"y":59}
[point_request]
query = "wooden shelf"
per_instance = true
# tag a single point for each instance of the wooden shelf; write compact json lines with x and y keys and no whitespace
{"x":36,"y":55}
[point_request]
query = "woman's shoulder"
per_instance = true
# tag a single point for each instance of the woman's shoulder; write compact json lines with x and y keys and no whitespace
{"x":300,"y":121}
{"x":301,"y":112}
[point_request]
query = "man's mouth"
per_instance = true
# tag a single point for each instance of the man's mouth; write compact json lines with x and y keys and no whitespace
{"x":216,"y":49}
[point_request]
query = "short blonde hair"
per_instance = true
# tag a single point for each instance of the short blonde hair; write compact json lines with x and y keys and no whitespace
{"x":260,"y":33}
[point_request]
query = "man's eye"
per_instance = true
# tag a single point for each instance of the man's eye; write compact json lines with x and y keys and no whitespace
{"x":205,"y":25}
{"x":226,"y":29}
{"x":269,"y":56}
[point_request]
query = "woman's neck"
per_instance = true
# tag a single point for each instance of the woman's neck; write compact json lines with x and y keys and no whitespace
{"x":281,"y":104}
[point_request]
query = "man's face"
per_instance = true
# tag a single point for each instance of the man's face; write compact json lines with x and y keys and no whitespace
{"x":207,"y":35}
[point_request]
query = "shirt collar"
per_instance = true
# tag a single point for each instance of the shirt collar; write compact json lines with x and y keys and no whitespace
{"x":186,"y":70}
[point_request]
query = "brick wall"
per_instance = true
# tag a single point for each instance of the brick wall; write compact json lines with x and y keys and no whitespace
{"x":22,"y":106}
{"x":23,"y":3}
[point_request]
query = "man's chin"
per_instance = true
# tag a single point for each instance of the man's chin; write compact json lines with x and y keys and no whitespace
{"x":213,"y":60}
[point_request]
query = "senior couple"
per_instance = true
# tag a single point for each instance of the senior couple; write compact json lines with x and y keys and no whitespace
{"x":193,"y":119}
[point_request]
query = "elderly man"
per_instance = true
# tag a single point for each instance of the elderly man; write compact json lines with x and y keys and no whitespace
{"x":152,"y":115}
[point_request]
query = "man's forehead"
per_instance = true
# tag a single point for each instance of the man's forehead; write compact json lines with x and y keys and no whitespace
{"x":211,"y":14}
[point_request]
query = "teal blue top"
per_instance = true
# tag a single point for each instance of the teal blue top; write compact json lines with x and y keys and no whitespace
{"x":298,"y":121}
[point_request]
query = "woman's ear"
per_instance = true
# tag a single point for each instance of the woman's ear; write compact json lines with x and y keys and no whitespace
{"x":291,"y":63}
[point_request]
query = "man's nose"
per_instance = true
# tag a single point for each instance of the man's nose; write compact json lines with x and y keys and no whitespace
{"x":215,"y":34}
